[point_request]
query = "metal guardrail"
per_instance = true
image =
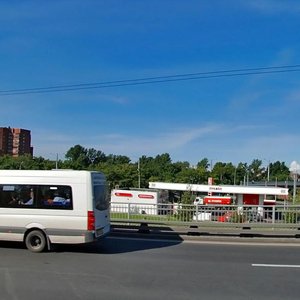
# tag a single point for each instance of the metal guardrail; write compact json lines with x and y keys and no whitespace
{"x":285,"y":216}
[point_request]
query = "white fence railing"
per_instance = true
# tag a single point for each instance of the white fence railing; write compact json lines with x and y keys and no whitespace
{"x":285,"y":215}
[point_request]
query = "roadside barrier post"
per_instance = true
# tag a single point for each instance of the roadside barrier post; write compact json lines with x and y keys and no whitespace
{"x":128,"y":211}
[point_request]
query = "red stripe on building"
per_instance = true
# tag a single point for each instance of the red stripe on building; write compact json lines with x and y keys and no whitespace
{"x":144,"y":196}
{"x":123,"y":195}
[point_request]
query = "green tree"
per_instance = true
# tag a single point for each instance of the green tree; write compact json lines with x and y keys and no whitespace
{"x":187,"y":176}
{"x":175,"y":170}
{"x":120,"y":171}
{"x":255,"y":170}
{"x":156,"y":169}
{"x":279,"y":171}
{"x":25,"y":162}
{"x":95,"y":156}
{"x":77,"y":157}
{"x":241,"y":173}
{"x":204,"y":163}
{"x":223,"y":173}
{"x":122,"y":176}
{"x":117,"y":159}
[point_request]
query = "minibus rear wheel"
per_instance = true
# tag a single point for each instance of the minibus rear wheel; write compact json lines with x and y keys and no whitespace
{"x":35,"y":241}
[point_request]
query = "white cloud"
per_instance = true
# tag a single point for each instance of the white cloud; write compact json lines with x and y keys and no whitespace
{"x":47,"y":142}
{"x":295,"y":167}
{"x":293,"y":97}
{"x":154,"y":144}
{"x":222,"y":142}
{"x":274,"y":6}
{"x":245,"y":99}
{"x":272,"y":146}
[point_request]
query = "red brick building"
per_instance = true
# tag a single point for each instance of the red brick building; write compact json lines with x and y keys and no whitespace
{"x":15,"y":141}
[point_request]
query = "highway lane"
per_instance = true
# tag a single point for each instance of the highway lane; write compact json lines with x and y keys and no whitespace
{"x":124,"y":268}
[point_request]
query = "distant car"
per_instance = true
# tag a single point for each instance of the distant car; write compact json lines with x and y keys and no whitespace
{"x":225,"y":217}
{"x":198,"y":201}
{"x":202,"y":216}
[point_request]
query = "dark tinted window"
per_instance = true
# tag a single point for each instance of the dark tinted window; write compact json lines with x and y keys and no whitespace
{"x":36,"y":196}
{"x":101,"y":199}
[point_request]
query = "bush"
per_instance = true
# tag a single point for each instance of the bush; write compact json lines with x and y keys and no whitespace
{"x":292,"y":217}
{"x":237,"y":218}
{"x":187,"y":210}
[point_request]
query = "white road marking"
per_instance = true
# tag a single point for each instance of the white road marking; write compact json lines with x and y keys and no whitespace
{"x":9,"y":285}
{"x":275,"y":266}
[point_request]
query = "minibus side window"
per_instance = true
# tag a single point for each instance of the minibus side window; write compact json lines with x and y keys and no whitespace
{"x":36,"y":196}
{"x":55,"y":197}
{"x":17,"y":196}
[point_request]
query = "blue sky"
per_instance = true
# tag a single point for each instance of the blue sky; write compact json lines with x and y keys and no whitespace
{"x":229,"y":119}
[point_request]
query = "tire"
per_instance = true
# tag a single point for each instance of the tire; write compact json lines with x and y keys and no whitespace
{"x":35,"y":241}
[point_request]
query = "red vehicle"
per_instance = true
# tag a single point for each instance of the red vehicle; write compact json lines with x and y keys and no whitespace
{"x":218,"y":214}
{"x":216,"y":200}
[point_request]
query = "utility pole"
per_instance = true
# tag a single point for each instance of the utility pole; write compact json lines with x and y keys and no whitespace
{"x":139,"y":174}
{"x":268,"y":169}
{"x":294,"y":169}
{"x":234,"y":178}
{"x":295,"y":187}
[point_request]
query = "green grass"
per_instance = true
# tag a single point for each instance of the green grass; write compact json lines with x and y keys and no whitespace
{"x":125,"y":216}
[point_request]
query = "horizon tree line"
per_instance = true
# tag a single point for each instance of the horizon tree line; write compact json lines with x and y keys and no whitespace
{"x":122,"y":172}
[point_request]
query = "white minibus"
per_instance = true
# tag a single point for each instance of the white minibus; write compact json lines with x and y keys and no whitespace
{"x":56,"y":206}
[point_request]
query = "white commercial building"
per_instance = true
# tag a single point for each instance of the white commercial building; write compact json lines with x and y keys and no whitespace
{"x":246,"y":195}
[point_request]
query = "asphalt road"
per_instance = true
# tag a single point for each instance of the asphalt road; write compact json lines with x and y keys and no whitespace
{"x":124,"y":268}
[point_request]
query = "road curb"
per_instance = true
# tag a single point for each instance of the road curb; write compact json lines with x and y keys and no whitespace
{"x":212,"y":234}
